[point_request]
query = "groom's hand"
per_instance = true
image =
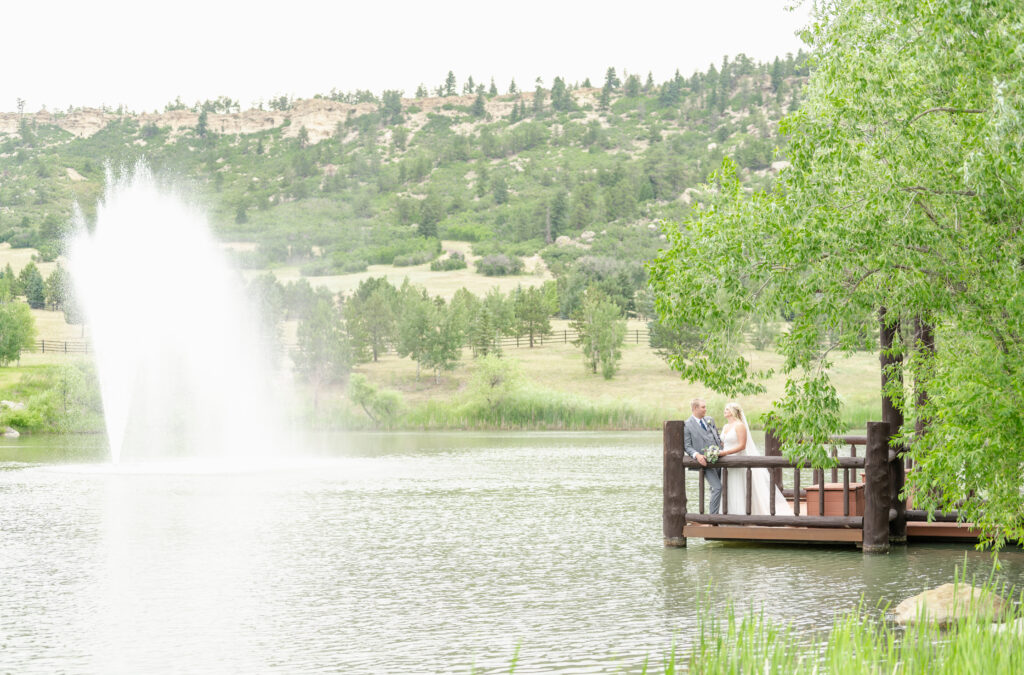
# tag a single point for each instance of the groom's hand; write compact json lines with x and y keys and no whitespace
{"x":700,"y":459}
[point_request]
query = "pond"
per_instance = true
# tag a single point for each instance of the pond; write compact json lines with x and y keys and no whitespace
{"x":402,"y":552}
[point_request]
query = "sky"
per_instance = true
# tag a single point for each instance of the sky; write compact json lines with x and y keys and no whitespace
{"x":144,"y":55}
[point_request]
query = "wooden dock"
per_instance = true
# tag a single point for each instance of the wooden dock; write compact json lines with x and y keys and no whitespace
{"x":858,"y":506}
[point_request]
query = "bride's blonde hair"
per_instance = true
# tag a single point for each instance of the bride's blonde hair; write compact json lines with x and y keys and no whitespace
{"x":736,"y":409}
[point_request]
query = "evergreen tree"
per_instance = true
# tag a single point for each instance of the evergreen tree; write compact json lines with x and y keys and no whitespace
{"x":538,"y":101}
{"x":611,"y":80}
{"x":558,"y":214}
{"x":450,"y":84}
{"x":370,"y":317}
{"x":776,"y":75}
{"x":468,"y":87}
{"x":201,"y":125}
{"x":561,"y":99}
{"x":479,"y":108}
{"x":649,"y":84}
{"x":32,"y":285}
{"x":512,"y":86}
{"x":632,"y":86}
{"x":421,"y":91}
{"x":391,"y":107}
{"x":431,"y":212}
{"x":531,"y":313}
{"x":499,"y":188}
{"x":493,"y":91}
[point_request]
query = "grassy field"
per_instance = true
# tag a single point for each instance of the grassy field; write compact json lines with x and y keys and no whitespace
{"x":644,"y":389}
{"x":644,"y":380}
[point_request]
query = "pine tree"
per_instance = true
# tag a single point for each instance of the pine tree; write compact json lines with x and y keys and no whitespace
{"x":493,"y":91}
{"x":776,"y":75}
{"x":538,"y":101}
{"x":450,"y":84}
{"x":479,"y":107}
{"x":512,"y":86}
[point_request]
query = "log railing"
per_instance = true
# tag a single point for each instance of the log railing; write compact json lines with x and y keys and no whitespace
{"x":875,"y":464}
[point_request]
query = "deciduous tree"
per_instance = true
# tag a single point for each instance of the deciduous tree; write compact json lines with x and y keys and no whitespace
{"x":903,"y":196}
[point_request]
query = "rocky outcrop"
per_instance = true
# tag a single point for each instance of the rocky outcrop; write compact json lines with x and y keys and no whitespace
{"x":949,"y":603}
{"x":320,"y":116}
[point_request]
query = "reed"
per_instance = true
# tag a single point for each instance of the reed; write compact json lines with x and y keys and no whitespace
{"x":530,"y":408}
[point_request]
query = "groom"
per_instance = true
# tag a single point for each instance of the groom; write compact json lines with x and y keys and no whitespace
{"x":699,"y":433}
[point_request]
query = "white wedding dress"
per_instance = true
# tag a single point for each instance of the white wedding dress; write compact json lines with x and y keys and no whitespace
{"x":737,"y":481}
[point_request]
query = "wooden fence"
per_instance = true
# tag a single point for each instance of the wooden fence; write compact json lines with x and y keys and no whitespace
{"x":49,"y":346}
{"x":871,"y":513}
{"x":636,"y":336}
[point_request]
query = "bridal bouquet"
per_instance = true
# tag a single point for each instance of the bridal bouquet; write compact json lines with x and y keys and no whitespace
{"x":711,"y":453}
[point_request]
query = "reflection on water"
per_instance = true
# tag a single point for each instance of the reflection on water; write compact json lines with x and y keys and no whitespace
{"x":397,"y":553}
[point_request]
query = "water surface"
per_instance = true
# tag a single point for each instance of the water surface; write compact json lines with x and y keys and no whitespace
{"x":410,"y":552}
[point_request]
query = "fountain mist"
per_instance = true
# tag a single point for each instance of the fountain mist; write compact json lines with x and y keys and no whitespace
{"x":183,"y":369}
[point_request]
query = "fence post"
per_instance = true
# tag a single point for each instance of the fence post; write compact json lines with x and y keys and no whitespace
{"x":673,"y":516}
{"x":772,"y":447}
{"x":875,"y":535}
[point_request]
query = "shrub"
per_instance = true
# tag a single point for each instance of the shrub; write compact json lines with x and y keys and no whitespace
{"x":417,"y":258}
{"x":455,"y":261}
{"x":499,"y":265}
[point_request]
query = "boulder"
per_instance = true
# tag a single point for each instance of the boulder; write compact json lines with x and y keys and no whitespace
{"x":10,"y":432}
{"x":1015,"y":627}
{"x":12,"y":405}
{"x":948,"y":603}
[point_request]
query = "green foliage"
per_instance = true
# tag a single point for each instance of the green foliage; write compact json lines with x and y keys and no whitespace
{"x":324,"y":353}
{"x":370,"y":318}
{"x":532,"y":311}
{"x":454,"y":261}
{"x":17,"y":331}
{"x":31,"y":283}
{"x":57,"y":399}
{"x":499,"y":264}
{"x":601,"y":330}
{"x":903,"y":194}
{"x":429,"y":332}
{"x":382,"y":407}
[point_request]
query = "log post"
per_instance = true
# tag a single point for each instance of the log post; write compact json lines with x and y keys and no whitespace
{"x":673,"y":516}
{"x":772,"y":448}
{"x":891,"y":413}
{"x":875,"y":537}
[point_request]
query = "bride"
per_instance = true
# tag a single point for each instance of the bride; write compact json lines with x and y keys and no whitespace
{"x":737,"y":440}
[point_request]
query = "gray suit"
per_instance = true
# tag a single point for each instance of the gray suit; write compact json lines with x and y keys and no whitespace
{"x":695,"y":441}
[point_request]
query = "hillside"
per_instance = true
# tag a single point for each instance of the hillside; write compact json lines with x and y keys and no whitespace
{"x":576,"y":174}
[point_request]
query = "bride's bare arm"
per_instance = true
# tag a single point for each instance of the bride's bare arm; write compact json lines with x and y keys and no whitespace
{"x":741,"y":441}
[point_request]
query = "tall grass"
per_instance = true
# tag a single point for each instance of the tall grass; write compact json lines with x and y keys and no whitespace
{"x":863,"y":640}
{"x":531,"y":408}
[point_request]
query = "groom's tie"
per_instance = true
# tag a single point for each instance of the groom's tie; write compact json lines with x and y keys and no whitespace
{"x":703,"y":425}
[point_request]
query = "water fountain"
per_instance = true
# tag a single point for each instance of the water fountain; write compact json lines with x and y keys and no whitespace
{"x":182,"y":362}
